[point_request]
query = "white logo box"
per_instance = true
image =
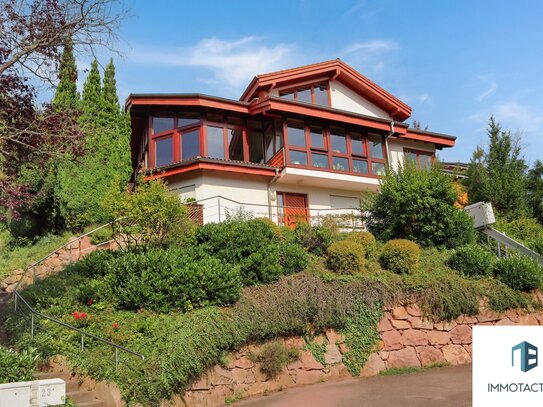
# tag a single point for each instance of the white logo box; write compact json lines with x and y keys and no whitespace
{"x":496,"y":382}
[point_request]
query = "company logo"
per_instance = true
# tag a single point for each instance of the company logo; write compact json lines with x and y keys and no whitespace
{"x":528,"y":356}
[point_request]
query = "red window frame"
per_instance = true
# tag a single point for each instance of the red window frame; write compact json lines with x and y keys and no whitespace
{"x":311,"y":86}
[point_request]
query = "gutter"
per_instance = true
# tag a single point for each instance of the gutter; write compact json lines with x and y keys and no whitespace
{"x":392,"y":132}
{"x":273,"y":181}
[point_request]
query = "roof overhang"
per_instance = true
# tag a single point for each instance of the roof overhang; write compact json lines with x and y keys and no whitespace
{"x":335,"y":69}
{"x":185,"y":99}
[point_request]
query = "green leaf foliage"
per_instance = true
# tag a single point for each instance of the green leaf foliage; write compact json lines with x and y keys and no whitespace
{"x":418,"y":204}
{"x":519,"y":272}
{"x":472,"y":261}
{"x":66,"y":95}
{"x":346,"y":257}
{"x":400,"y":256}
{"x":17,"y":366}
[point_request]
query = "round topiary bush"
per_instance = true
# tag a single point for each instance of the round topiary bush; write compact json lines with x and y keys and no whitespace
{"x":472,"y":261}
{"x":519,"y":272}
{"x":366,"y":239}
{"x":400,"y":256}
{"x":346,"y":257}
{"x":271,"y":224}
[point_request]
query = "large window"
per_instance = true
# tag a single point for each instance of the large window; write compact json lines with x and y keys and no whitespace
{"x":215,"y":142}
{"x":335,"y":149}
{"x":316,"y":94}
{"x":190,"y":144}
{"x":235,"y":144}
{"x":162,"y":124}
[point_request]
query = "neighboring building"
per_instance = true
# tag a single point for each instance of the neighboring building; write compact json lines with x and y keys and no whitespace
{"x":300,"y":143}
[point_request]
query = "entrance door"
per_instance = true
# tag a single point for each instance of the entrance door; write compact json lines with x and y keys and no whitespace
{"x":292,"y":208}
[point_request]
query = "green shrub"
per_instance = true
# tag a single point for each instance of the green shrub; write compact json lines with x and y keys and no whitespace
{"x":519,"y":272}
{"x":96,"y":263}
{"x":472,"y":261}
{"x":168,"y":279}
{"x":274,"y":356}
{"x":251,"y":244}
{"x":316,"y":239}
{"x":102,"y":235}
{"x":366,"y":239}
{"x":293,"y":258}
{"x":346,"y":257}
{"x":400,"y":256}
{"x":272,"y":225}
{"x":17,"y":366}
{"x":418,"y":204}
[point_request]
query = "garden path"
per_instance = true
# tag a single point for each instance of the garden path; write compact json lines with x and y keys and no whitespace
{"x":443,"y":387}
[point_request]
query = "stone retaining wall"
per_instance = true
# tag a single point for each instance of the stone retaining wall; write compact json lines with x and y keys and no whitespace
{"x":56,"y":262}
{"x":407,"y":340}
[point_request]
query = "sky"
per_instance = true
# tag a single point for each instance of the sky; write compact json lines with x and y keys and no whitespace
{"x":455,"y":63}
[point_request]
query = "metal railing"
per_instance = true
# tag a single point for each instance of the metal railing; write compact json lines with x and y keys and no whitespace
{"x":219,"y":208}
{"x":19,"y":299}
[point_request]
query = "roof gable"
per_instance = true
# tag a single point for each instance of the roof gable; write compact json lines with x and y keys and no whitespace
{"x":330,"y":70}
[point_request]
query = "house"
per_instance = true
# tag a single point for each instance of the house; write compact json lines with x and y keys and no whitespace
{"x":300,"y":143}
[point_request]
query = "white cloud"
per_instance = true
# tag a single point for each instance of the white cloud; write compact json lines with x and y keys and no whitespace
{"x":490,"y":89}
{"x":512,"y":115}
{"x":372,"y":47}
{"x":232,"y":63}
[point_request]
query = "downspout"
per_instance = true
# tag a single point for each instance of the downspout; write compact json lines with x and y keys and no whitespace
{"x":274,"y":179}
{"x":389,"y":157}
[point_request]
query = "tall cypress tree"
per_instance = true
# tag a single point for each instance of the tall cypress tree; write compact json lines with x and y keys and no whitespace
{"x":66,"y":95}
{"x":91,"y":100}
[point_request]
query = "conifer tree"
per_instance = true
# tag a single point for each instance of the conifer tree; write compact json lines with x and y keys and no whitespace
{"x":91,"y":100}
{"x":66,"y":95}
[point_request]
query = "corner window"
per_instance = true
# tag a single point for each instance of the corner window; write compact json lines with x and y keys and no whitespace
{"x":190,"y":144}
{"x":235,"y":144}
{"x":215,"y":142}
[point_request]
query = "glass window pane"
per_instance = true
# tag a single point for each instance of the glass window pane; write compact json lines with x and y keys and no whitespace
{"x":409,"y":156}
{"x":340,"y":163}
{"x":357,"y":144}
{"x":161,"y":124}
{"x":360,"y":166}
{"x":317,"y":139}
{"x":215,"y":142}
{"x":319,"y":160}
{"x":278,"y":135}
{"x":298,"y":157}
{"x":256,"y":151}
{"x":287,"y":94}
{"x":164,"y":151}
{"x":376,"y":146}
{"x":321,"y":95}
{"x":337,"y":137}
{"x":235,"y":145}
{"x":425,"y":161}
{"x":378,"y":168}
{"x":186,"y":119}
{"x":190,"y":144}
{"x":304,"y":95}
{"x":296,"y":135}
{"x":269,"y":135}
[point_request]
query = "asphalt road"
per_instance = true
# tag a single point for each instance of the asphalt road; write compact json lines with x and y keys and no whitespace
{"x":443,"y":387}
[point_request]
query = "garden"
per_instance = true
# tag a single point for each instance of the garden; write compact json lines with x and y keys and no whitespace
{"x":186,"y":296}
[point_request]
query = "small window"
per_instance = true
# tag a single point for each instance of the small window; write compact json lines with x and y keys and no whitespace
{"x":340,"y":164}
{"x":187,"y":119}
{"x":215,"y":142}
{"x":287,"y":94}
{"x":425,"y":161}
{"x":235,"y":144}
{"x":304,"y":95}
{"x":319,"y":160}
{"x":378,"y":168}
{"x":162,"y":124}
{"x":298,"y":158}
{"x":376,"y":146}
{"x":360,"y":166}
{"x":357,"y":144}
{"x":256,"y":148}
{"x":321,"y":95}
{"x":296,"y":134}
{"x":164,"y":151}
{"x":337,"y":137}
{"x":317,"y":138}
{"x":190,"y":144}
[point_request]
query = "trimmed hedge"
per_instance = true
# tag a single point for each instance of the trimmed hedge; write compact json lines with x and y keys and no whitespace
{"x":346,"y":257}
{"x":316,"y":239}
{"x":366,"y":239}
{"x":472,"y":261}
{"x":519,"y":272}
{"x":400,"y":256}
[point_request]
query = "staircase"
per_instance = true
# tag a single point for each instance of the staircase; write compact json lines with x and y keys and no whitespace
{"x":81,"y":396}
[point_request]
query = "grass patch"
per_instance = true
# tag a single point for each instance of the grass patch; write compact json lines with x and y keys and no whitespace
{"x":13,"y":256}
